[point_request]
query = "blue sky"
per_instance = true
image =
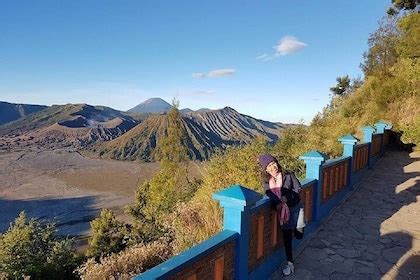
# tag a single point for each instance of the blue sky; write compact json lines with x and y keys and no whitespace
{"x":274,"y":60}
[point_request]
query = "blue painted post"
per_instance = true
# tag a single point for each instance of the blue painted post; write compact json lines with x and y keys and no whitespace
{"x":348,"y":141}
{"x":367,"y":138}
{"x":313,"y":161}
{"x":237,"y":201}
{"x":348,"y":151}
{"x":367,"y":134}
{"x":380,"y":127}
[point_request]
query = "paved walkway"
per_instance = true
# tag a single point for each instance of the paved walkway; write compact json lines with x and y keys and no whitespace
{"x":375,"y":233}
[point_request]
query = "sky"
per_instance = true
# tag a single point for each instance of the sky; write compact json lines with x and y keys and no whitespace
{"x":273,"y":60}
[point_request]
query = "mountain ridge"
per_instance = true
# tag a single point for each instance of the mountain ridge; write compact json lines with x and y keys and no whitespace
{"x":13,"y":111}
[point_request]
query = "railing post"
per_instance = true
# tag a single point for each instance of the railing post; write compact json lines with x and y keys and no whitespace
{"x":313,"y":161}
{"x":367,"y":137}
{"x":236,"y":202}
{"x":380,"y":128}
{"x":367,"y":133}
{"x":348,"y":142}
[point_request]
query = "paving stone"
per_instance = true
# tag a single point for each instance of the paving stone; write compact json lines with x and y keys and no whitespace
{"x":385,"y":240}
{"x":353,"y":233}
{"x":360,"y":247}
{"x":338,"y":276}
{"x":359,"y":276}
{"x":336,"y":257}
{"x":327,"y":261}
{"x":382,"y":265}
{"x":392,"y":255}
{"x":368,"y":256}
{"x":365,"y":268}
{"x":314,"y":253}
{"x":348,"y":253}
{"x":329,"y":251}
{"x":317,"y":243}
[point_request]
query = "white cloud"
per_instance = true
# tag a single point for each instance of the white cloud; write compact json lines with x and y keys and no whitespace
{"x":288,"y":45}
{"x":198,"y":75}
{"x":215,"y":73}
{"x":221,"y":72}
{"x":265,"y":57}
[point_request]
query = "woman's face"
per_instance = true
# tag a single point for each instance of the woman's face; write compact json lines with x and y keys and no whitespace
{"x":272,"y":169}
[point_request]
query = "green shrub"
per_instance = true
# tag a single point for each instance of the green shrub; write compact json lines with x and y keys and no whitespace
{"x":31,"y":248}
{"x":108,"y":235}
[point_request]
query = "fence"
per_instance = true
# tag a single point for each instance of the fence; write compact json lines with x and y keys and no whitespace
{"x":251,"y":244}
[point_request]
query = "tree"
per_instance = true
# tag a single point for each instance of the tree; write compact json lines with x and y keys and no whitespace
{"x":108,"y":235}
{"x":408,"y":45}
{"x":157,"y":198}
{"x":399,"y":5}
{"x":342,"y":87}
{"x":31,"y":248}
{"x":405,"y":4}
{"x":171,"y":147}
{"x":382,"y":52}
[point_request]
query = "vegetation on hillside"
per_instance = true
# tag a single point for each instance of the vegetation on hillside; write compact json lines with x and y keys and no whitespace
{"x":32,"y":248}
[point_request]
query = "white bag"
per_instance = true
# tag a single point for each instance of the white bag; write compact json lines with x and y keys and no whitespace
{"x":301,"y":219}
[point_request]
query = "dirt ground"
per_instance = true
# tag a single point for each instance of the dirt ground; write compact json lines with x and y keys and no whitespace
{"x":67,"y":187}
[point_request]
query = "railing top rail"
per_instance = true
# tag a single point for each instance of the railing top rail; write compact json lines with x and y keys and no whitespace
{"x":361,"y":144}
{"x":335,"y":161}
{"x":186,"y":258}
{"x":307,"y":182}
{"x":265,"y":201}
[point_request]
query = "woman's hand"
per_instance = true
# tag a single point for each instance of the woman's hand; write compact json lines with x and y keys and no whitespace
{"x":284,"y":199}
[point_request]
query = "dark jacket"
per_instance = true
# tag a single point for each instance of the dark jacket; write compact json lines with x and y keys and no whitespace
{"x":290,"y":189}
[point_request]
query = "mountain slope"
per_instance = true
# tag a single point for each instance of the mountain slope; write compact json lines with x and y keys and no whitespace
{"x":10,"y":112}
{"x":77,"y":125}
{"x":206,"y":132}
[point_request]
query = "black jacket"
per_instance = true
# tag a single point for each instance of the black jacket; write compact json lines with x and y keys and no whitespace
{"x":290,"y":189}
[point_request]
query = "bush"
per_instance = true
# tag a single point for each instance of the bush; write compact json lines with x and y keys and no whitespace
{"x":31,"y":248}
{"x":127,"y":263}
{"x":108,"y":235}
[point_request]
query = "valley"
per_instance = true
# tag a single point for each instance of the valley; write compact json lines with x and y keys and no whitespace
{"x":66,"y":187}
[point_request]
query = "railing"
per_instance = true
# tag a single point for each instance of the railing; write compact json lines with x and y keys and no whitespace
{"x":361,"y":156}
{"x":250,"y":246}
{"x":377,"y":144}
{"x":212,"y":259}
{"x":334,"y":177}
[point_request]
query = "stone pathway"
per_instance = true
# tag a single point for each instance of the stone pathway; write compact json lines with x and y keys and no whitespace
{"x":375,"y":233}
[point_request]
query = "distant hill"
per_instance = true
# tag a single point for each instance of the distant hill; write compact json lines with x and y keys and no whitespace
{"x":207,"y":131}
{"x":152,"y":105}
{"x":77,"y":125}
{"x":10,"y":112}
{"x":186,"y":111}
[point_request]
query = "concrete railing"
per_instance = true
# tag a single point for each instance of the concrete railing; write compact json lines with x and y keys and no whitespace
{"x":250,"y":245}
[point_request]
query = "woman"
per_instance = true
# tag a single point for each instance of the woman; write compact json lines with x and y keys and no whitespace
{"x":282,"y":187}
